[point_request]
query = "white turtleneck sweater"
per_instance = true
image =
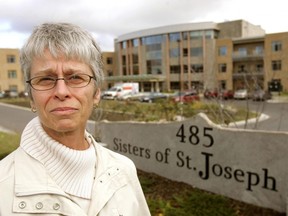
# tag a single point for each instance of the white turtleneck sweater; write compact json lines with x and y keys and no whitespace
{"x":72,"y":170}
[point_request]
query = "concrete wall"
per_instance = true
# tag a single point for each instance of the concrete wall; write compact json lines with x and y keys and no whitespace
{"x":245,"y":165}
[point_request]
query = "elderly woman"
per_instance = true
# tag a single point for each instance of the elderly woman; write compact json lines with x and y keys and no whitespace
{"x":59,"y":169}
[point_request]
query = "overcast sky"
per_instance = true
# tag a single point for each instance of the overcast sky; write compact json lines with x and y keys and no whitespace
{"x":108,"y":19}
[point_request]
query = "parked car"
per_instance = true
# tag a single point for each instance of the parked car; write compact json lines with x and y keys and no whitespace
{"x":152,"y":97}
{"x":226,"y":94}
{"x":131,"y":96}
{"x":10,"y":94}
{"x":261,"y":95}
{"x":210,"y":94}
{"x":241,"y":94}
{"x":186,"y":97}
{"x":23,"y":94}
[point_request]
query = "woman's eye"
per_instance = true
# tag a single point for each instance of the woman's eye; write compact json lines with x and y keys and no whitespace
{"x":43,"y":80}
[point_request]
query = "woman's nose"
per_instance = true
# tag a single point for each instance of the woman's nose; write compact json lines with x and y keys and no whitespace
{"x":61,"y":89}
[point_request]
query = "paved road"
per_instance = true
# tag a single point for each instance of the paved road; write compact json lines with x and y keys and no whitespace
{"x":15,"y":118}
{"x":276,"y":113}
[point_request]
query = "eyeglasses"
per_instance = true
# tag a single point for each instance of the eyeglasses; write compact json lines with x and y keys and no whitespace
{"x":43,"y":83}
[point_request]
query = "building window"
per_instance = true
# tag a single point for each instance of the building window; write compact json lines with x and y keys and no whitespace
{"x":196,"y":68}
{"x":135,"y":70}
{"x":210,"y":34}
{"x":135,"y":42}
{"x":110,"y":72}
{"x":158,"y":39}
{"x":196,"y":51}
{"x":259,"y":68}
{"x":242,"y":51}
{"x":124,"y":60}
{"x":276,"y":65}
{"x":124,"y":44}
{"x":185,"y":52}
{"x":258,"y":50}
{"x":242,"y":69}
{"x":276,"y":46}
{"x":154,"y":55}
{"x":175,"y":69}
{"x":135,"y":58}
{"x":222,"y":84}
{"x":174,"y":36}
{"x":222,"y":51}
{"x":154,"y":66}
{"x":196,"y":35}
{"x":153,"y":47}
{"x":11,"y":59}
{"x":185,"y":68}
{"x":185,"y":35}
{"x":174,"y":53}
{"x":12,"y":74}
{"x":222,"y":68}
{"x":109,"y":60}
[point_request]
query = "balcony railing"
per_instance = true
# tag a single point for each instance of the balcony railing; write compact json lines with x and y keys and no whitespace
{"x":246,"y":56}
{"x":248,"y":73}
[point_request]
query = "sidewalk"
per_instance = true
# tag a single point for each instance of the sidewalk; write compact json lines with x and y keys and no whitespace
{"x":278,"y":99}
{"x":2,"y":129}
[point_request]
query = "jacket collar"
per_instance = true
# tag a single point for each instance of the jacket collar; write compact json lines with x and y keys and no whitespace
{"x":109,"y":178}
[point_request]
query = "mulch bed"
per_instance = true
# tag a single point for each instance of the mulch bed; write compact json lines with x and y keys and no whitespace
{"x":167,"y":189}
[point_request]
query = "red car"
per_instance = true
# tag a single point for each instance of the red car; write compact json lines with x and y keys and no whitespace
{"x":226,"y":94}
{"x":186,"y":97}
{"x":210,"y":94}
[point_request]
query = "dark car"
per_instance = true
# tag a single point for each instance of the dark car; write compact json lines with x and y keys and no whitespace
{"x":226,"y":94}
{"x":261,"y":95}
{"x":152,"y":97}
{"x":186,"y":97}
{"x":211,"y":94}
{"x":10,"y":94}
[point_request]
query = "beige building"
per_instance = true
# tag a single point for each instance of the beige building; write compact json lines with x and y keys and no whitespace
{"x":228,"y":55}
{"x":108,"y":67}
{"x":184,"y":56}
{"x":11,"y":77}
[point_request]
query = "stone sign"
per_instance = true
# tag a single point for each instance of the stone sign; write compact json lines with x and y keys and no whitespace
{"x":245,"y":165}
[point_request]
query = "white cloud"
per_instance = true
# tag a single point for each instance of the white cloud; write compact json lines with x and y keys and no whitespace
{"x":111,"y":18}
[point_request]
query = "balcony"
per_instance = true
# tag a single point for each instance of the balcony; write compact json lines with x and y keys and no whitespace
{"x":136,"y":78}
{"x":255,"y":73}
{"x":247,"y":56}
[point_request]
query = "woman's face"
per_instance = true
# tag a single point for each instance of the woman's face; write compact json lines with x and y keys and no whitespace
{"x":63,"y":109}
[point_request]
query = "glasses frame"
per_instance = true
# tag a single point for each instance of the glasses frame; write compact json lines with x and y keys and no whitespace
{"x":60,"y":78}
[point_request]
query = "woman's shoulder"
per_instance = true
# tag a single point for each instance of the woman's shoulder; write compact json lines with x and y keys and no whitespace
{"x":6,"y":166}
{"x":113,"y":156}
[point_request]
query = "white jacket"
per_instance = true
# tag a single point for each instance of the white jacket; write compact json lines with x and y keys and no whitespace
{"x":27,"y":189}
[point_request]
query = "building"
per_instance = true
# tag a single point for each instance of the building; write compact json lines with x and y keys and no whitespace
{"x":11,"y":77}
{"x":108,"y":67}
{"x":228,"y":55}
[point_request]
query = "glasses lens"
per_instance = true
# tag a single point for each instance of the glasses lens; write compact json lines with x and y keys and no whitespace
{"x":78,"y":80}
{"x":42,"y":83}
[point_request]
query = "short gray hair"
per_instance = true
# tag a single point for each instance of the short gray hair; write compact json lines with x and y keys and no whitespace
{"x":62,"y":39}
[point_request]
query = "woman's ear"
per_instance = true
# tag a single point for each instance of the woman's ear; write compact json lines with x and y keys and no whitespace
{"x":97,"y":96}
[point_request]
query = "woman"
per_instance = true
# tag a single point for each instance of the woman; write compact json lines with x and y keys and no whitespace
{"x":59,"y":169}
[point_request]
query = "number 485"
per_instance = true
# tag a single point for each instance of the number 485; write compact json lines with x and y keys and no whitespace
{"x":194,"y":135}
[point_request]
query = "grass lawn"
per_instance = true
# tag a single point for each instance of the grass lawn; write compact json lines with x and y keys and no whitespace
{"x":8,"y":142}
